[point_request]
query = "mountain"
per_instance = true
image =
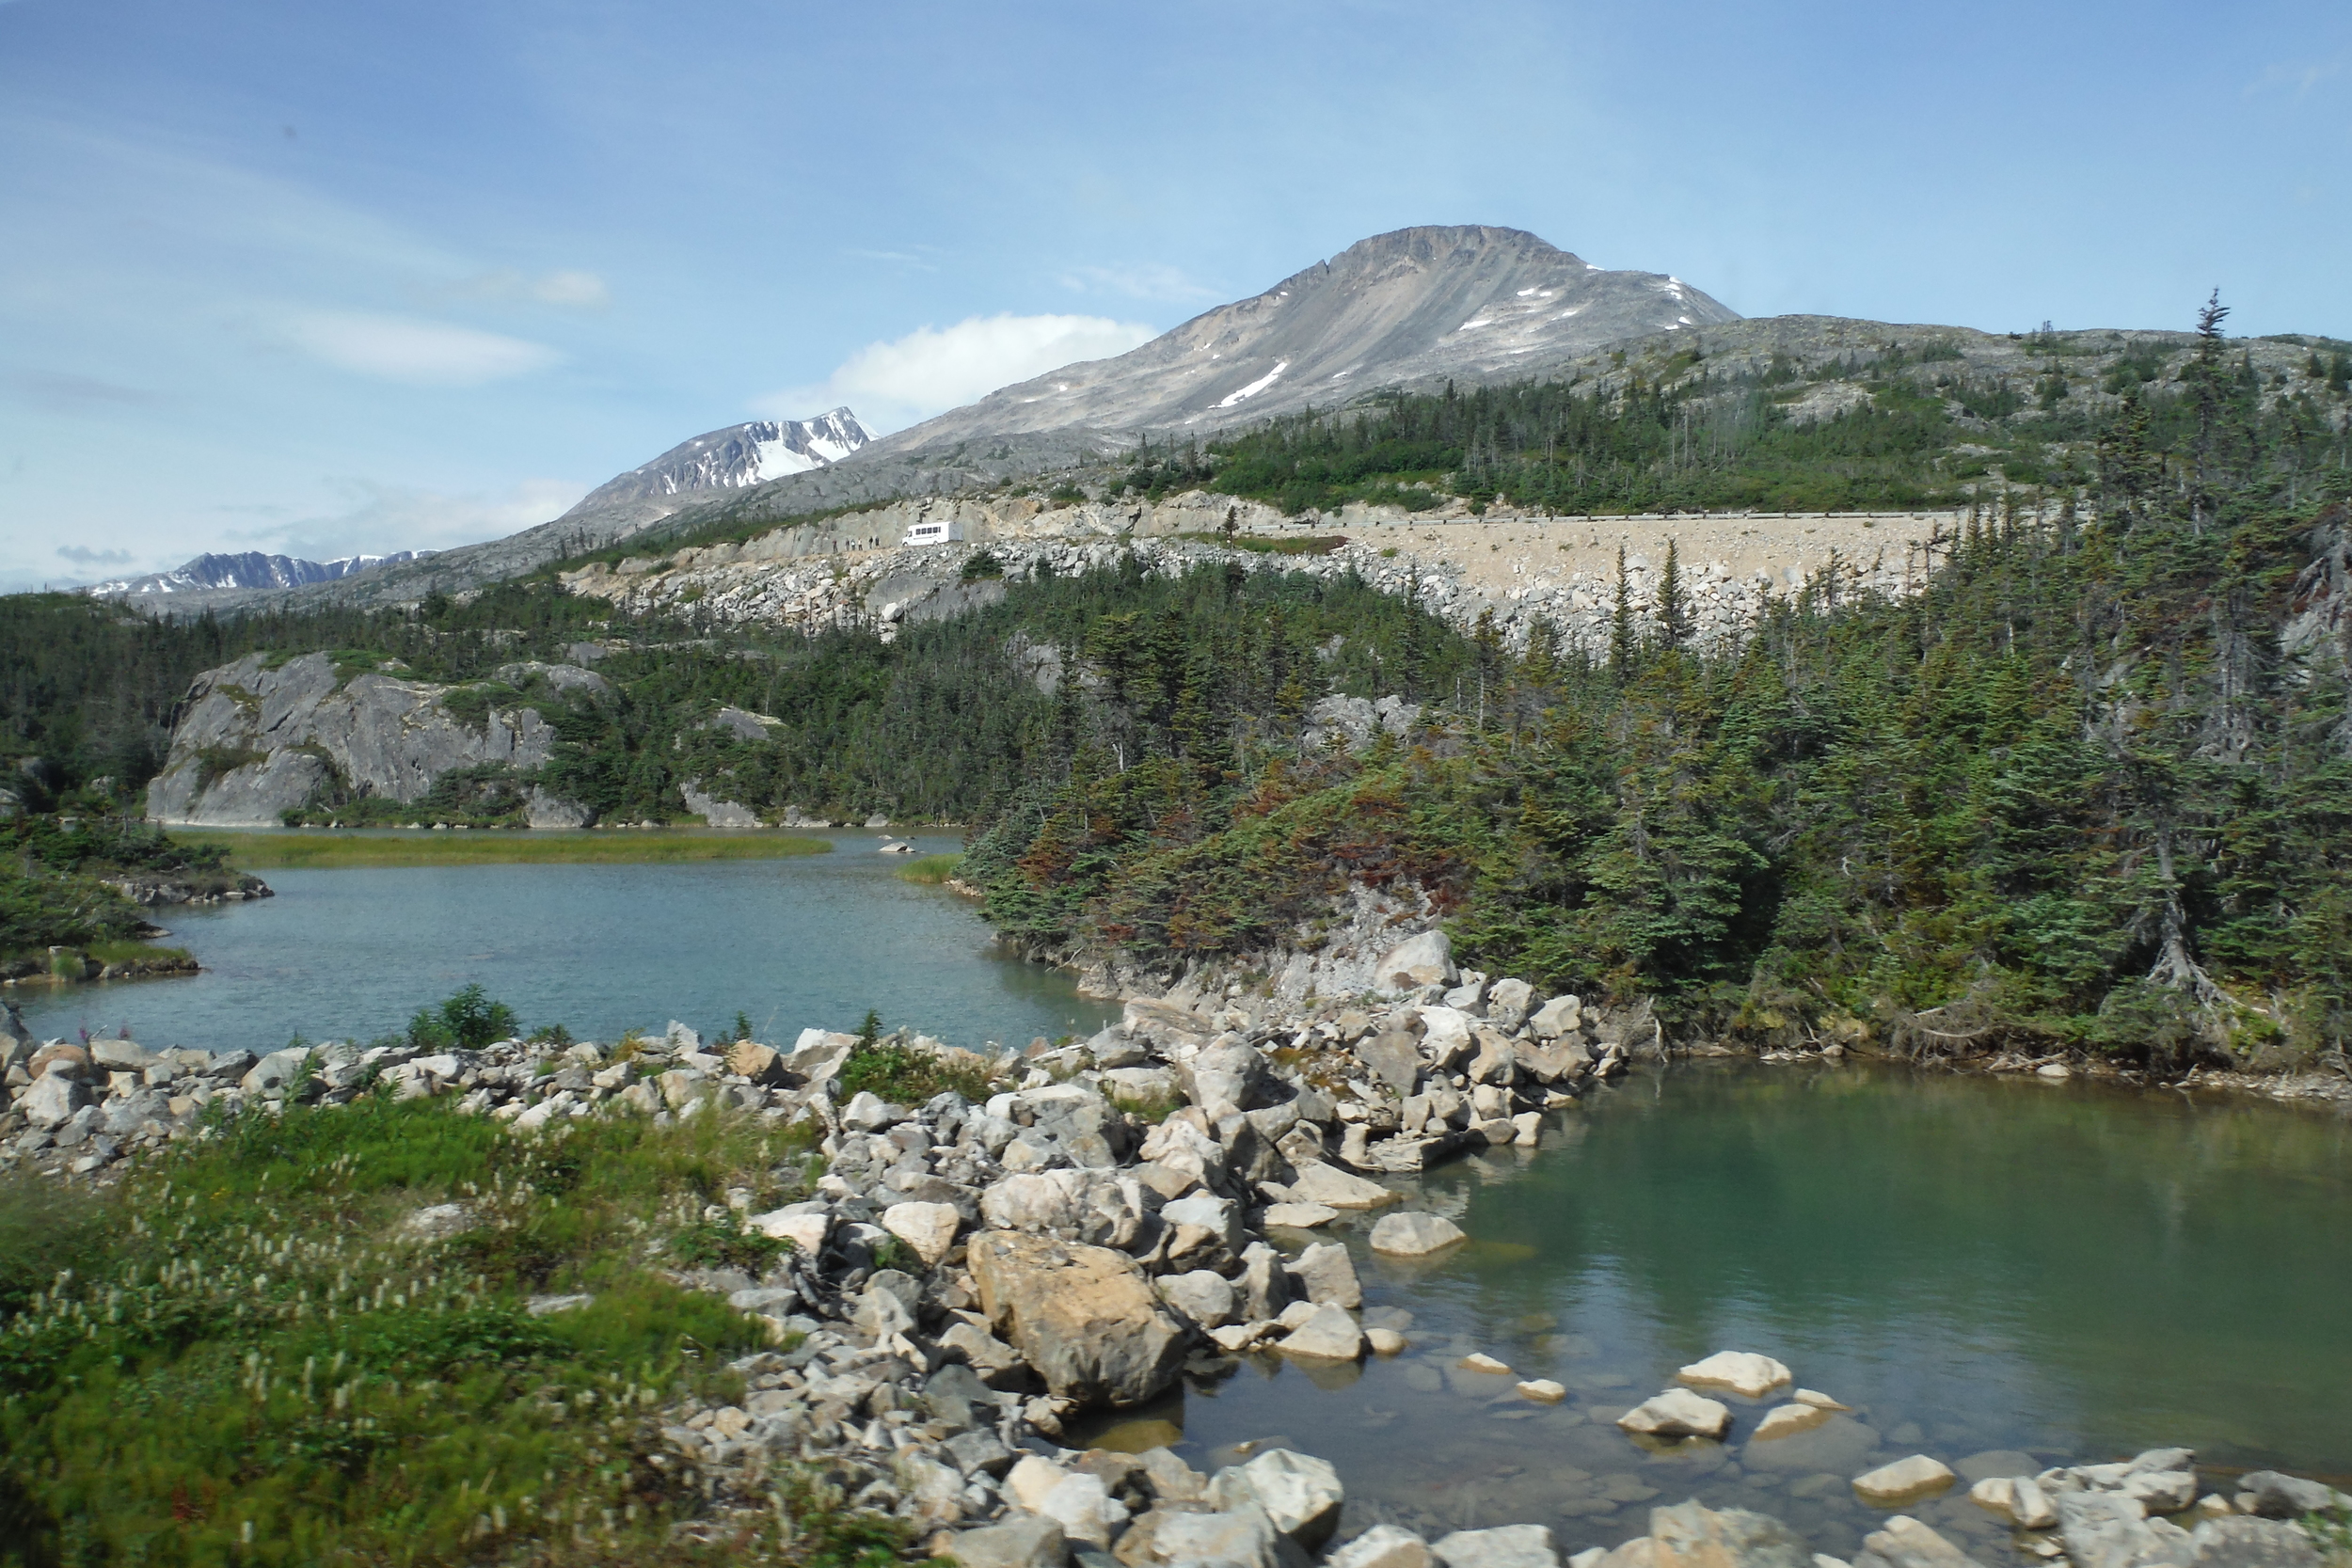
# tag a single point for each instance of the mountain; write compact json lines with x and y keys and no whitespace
{"x":251,"y":569}
{"x":1415,"y":307}
{"x":729,"y":459}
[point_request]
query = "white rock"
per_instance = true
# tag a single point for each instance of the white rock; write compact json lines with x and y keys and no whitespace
{"x":1085,"y":1509}
{"x":1678,"y":1412}
{"x":1447,"y":1035}
{"x":1302,"y":1494}
{"x":1478,"y":1361}
{"x":1299,"y":1217}
{"x":1818,"y":1400}
{"x":1904,"y":1480}
{"x":1031,"y":1480}
{"x":1504,"y":1546}
{"x":1323,"y":1183}
{"x":1326,"y":1276}
{"x":1744,"y":1372}
{"x":1328,"y":1334}
{"x":1507,"y":1004}
{"x":1543,"y":1391}
{"x":1426,"y":959}
{"x":2017,"y":1499}
{"x":1204,"y":1295}
{"x":1562,"y":1015}
{"x":1786,"y":1420}
{"x":51,"y":1099}
{"x":1414,"y":1234}
{"x":867,"y":1111}
{"x":1205,"y":1216}
{"x":929,"y":1228}
{"x":1384,"y":1342}
{"x":805,"y":1226}
{"x":1382,"y":1547}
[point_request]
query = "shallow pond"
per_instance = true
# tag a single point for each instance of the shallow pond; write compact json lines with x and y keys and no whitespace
{"x":347,"y":954}
{"x":2071,"y":1271}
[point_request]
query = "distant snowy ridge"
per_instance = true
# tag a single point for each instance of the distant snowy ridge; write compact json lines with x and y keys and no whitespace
{"x":735,"y":457}
{"x":251,"y":569}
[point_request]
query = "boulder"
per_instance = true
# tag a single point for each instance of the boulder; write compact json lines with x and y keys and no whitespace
{"x":1504,"y":1546}
{"x":123,"y":1055}
{"x":1394,"y":1058}
{"x":1203,"y":1219}
{"x":2278,"y":1496}
{"x":1448,"y":1037}
{"x":1096,"y":1207}
{"x":1299,"y":1217}
{"x":1083,"y":1506}
{"x":1302,"y":1494}
{"x":762,"y":1064}
{"x":1084,"y":1317}
{"x":1265,"y":1285}
{"x":2161,"y":1490}
{"x":51,"y":1099}
{"x":1692,"y":1535}
{"x":2106,"y":1529}
{"x":1744,"y":1372}
{"x":1426,"y":959}
{"x":1562,"y":1015}
{"x":1023,"y":1540}
{"x":1328,"y":1335}
{"x":2242,"y":1543}
{"x":1508,"y":1002}
{"x":2017,"y":1499}
{"x":275,"y":1072}
{"x":1903,"y":1541}
{"x":1788,"y":1420}
{"x":1906,"y":1480}
{"x":867,"y":1111}
{"x":1204,"y":1295}
{"x":1543,"y":1391}
{"x":1243,"y":1537}
{"x":1414,"y":1234}
{"x":1324,"y":1275}
{"x":1678,"y":1412}
{"x":1324,"y":1183}
{"x":1229,"y":1076}
{"x":807,"y":1226}
{"x":1382,"y":1547}
{"x":929,"y":1228}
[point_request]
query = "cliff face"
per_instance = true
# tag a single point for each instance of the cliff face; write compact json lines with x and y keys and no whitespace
{"x":257,"y":741}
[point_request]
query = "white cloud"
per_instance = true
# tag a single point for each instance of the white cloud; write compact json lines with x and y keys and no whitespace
{"x":1146,"y":280}
{"x":382,"y":517}
{"x":931,"y":370}
{"x":81,"y":555}
{"x":401,"y":348}
{"x":572,"y":290}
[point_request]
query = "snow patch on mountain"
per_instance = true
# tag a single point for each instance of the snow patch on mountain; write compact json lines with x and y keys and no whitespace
{"x":737,"y":456}
{"x":248,"y":569}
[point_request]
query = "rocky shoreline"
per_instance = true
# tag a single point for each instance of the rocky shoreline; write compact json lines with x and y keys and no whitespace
{"x":967,"y":1280}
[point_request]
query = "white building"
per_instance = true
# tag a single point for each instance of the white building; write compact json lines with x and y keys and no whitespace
{"x":933,"y":533}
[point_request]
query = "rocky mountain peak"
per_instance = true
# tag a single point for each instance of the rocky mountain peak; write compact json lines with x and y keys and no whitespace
{"x":1415,"y":305}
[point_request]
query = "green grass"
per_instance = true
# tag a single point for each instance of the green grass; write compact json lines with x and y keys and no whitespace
{"x":251,"y":1361}
{"x":299,"y":848}
{"x":930,"y":870}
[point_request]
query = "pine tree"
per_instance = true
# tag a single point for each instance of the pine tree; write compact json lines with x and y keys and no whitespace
{"x":1621,"y":626}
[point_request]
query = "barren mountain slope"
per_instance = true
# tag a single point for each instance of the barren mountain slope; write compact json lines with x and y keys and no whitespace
{"x":1473,"y":302}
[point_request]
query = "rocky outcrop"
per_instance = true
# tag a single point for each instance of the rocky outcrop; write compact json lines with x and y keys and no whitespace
{"x":258,"y":739}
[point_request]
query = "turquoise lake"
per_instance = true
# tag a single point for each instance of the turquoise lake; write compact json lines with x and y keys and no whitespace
{"x":2004,"y":1272}
{"x":813,"y":939}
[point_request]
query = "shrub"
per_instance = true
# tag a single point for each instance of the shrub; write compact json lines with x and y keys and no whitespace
{"x":467,"y":1020}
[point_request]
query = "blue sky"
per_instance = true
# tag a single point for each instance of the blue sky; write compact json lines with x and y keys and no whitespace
{"x":326,"y":279}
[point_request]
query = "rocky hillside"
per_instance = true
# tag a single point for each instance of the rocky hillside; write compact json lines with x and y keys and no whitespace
{"x":263,"y":736}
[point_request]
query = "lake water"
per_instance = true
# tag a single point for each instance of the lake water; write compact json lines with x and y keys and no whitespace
{"x":2071,"y":1271}
{"x":812,"y":940}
